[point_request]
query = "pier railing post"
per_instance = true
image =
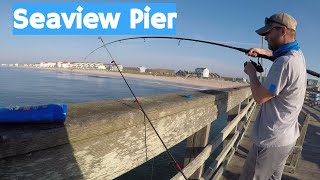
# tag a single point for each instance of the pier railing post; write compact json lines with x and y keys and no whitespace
{"x":195,"y":145}
{"x":231,"y":115}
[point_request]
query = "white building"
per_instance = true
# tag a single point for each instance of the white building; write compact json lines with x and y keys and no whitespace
{"x":142,"y":69}
{"x":113,"y":67}
{"x":59,"y":64}
{"x":47,"y":64}
{"x":244,"y":80}
{"x":102,"y":67}
{"x":66,"y":65}
{"x":202,"y":72}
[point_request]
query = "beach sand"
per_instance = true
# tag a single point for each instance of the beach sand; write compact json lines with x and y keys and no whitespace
{"x":194,"y":82}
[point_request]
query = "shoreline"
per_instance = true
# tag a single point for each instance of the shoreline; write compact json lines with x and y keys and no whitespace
{"x":196,"y":83}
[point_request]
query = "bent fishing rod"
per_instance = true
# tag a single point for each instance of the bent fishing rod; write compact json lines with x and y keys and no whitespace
{"x":313,"y":73}
{"x":176,"y":164}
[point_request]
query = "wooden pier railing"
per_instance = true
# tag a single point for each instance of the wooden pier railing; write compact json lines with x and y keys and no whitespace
{"x":230,"y":136}
{"x":105,"y":139}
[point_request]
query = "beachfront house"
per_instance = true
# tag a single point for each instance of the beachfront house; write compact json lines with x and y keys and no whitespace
{"x":87,"y":65}
{"x":52,"y":64}
{"x":202,"y":72}
{"x":92,"y":66}
{"x":47,"y":64}
{"x":101,"y":66}
{"x":77,"y":65}
{"x":113,"y":67}
{"x":73,"y":65}
{"x":66,"y":65}
{"x":142,"y":69}
{"x":59,"y":64}
{"x":131,"y":69}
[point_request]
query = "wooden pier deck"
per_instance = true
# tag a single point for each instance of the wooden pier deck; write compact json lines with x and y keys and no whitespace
{"x":308,"y":166}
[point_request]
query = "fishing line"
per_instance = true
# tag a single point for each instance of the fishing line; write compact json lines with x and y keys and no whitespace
{"x":176,"y":164}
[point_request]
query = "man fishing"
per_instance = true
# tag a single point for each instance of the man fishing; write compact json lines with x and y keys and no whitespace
{"x":281,"y":97}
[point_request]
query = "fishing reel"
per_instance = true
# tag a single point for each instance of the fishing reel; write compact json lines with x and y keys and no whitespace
{"x":258,"y":66}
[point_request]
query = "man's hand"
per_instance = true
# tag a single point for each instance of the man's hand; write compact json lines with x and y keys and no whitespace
{"x":259,"y":93}
{"x":254,"y":52}
{"x":249,"y":69}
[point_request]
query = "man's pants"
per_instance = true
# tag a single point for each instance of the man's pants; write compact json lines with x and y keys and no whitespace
{"x":265,"y":163}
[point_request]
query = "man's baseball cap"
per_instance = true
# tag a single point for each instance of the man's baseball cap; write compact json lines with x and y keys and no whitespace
{"x":277,"y":20}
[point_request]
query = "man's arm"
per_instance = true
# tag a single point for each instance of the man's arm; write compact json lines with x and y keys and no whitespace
{"x":255,"y":51}
{"x":259,"y":93}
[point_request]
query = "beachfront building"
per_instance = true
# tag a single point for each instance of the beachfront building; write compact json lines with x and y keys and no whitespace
{"x":244,"y":80}
{"x":59,"y":64}
{"x":92,"y":65}
{"x":101,"y":66}
{"x":66,"y":65}
{"x":112,"y":67}
{"x":142,"y":69}
{"x":202,"y":72}
{"x":131,"y":69}
{"x":47,"y":64}
{"x":87,"y":65}
{"x":78,"y":65}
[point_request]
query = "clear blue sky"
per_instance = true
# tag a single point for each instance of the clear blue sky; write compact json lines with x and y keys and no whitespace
{"x":223,"y":21}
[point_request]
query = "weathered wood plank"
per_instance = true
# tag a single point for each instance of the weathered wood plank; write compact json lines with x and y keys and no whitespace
{"x":219,"y":172}
{"x":237,"y":96}
{"x":214,"y":165}
{"x":292,"y":160}
{"x":226,"y":131}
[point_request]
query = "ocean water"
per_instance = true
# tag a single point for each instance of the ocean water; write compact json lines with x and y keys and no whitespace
{"x":21,"y":87}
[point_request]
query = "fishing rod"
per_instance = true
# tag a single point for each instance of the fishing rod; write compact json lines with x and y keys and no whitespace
{"x":176,"y":164}
{"x":313,"y":73}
